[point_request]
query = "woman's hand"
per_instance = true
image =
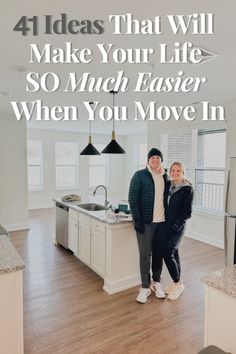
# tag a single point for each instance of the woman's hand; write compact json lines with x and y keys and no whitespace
{"x":177,"y":227}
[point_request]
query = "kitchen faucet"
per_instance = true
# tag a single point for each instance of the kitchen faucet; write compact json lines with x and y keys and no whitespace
{"x":105,"y":189}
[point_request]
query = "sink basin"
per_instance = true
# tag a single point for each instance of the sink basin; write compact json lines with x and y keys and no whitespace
{"x":93,"y":207}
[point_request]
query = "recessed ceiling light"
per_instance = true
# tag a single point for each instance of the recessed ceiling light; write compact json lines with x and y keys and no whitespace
{"x":20,"y":69}
{"x":4,"y":93}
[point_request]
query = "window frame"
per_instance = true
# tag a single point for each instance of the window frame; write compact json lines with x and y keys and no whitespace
{"x":40,"y":165}
{"x":214,"y":192}
{"x":136,"y":153}
{"x":99,"y":147}
{"x":204,"y":168}
{"x":76,"y":185}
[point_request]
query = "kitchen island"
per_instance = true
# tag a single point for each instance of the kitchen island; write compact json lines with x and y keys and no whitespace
{"x":11,"y":295}
{"x":106,"y":243}
{"x":220,"y":309}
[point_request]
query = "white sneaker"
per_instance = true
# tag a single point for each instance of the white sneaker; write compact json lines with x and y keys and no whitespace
{"x":169,"y":288}
{"x":159,"y":291}
{"x":152,"y":286}
{"x":143,"y":295}
{"x":176,"y":291}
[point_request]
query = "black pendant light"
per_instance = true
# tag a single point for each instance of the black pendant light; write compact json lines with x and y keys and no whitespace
{"x":90,"y":149}
{"x":113,"y":147}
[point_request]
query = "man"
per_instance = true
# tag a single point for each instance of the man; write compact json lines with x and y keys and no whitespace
{"x":147,"y":193}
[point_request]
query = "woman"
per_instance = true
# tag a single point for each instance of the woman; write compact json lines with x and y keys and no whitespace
{"x":178,"y":210}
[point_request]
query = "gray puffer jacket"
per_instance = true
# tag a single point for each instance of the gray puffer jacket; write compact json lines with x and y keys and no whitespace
{"x":141,"y":195}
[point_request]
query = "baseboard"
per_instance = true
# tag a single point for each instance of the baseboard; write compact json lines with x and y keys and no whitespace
{"x":112,"y":287}
{"x":41,"y":206}
{"x":17,"y":227}
{"x":205,"y":239}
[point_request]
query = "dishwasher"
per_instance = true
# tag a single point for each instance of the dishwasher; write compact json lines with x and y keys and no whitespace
{"x":62,"y":213}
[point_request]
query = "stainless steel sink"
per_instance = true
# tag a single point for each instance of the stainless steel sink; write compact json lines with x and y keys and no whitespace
{"x":93,"y":207}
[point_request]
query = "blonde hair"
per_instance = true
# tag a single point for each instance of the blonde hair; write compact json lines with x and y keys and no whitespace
{"x":181,"y":166}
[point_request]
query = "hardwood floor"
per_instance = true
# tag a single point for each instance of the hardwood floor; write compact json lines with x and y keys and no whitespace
{"x":66,"y":311}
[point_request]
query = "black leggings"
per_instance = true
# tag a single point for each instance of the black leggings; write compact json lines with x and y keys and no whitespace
{"x":167,"y":248}
{"x":172,"y":261}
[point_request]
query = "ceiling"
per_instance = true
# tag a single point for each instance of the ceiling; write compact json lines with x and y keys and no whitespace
{"x":15,"y":54}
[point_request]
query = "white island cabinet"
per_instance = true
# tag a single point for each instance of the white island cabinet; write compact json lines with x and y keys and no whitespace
{"x":98,"y":247}
{"x":109,"y":248}
{"x":11,"y":299}
{"x":122,"y":258}
{"x":84,"y":239}
{"x":220,"y":309}
{"x":106,"y":244}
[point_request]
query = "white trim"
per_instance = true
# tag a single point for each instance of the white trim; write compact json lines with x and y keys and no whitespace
{"x":41,"y":206}
{"x":205,"y":239}
{"x":207,"y":212}
{"x":17,"y":227}
{"x":112,"y":287}
{"x":59,"y":189}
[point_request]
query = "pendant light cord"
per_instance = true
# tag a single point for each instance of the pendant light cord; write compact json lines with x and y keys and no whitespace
{"x":113,"y":115}
{"x":113,"y":102}
{"x":90,"y":133}
{"x":90,"y":127}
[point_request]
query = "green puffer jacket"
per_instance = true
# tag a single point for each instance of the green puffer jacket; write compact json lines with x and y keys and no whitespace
{"x":141,"y":195}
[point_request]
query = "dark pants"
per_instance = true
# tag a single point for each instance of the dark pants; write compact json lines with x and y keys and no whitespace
{"x":170,"y":253}
{"x":147,"y":251}
{"x":172,"y":261}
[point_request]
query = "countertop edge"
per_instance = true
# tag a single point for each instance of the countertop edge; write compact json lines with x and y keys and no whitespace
{"x":10,"y":260}
{"x":98,"y":215}
{"x":223,"y":280}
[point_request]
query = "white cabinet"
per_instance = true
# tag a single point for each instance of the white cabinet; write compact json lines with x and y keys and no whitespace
{"x":109,"y":249}
{"x":98,"y":247}
{"x":84,"y":238}
{"x":73,"y":231}
{"x":11,"y":299}
{"x":220,"y":314}
{"x":11,"y":310}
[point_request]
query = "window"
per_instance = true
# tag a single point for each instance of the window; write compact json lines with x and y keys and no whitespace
{"x":98,"y":168}
{"x":210,"y":170}
{"x":177,"y":146}
{"x":35,"y":165}
{"x":66,"y":160}
{"x":140,"y":156}
{"x":203,"y":154}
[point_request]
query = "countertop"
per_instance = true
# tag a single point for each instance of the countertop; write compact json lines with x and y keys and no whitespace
{"x":223,"y":280}
{"x":10,"y":261}
{"x":106,"y":216}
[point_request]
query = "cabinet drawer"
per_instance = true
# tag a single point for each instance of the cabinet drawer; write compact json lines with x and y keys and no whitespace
{"x":74,"y":214}
{"x":98,"y":225}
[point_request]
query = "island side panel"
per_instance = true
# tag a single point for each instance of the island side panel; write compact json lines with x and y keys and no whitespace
{"x":220,"y":314}
{"x":11,"y":310}
{"x":122,"y":258}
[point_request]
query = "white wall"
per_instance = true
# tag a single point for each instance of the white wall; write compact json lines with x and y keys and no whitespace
{"x":115,"y":185}
{"x":13,"y":175}
{"x":203,"y":226}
